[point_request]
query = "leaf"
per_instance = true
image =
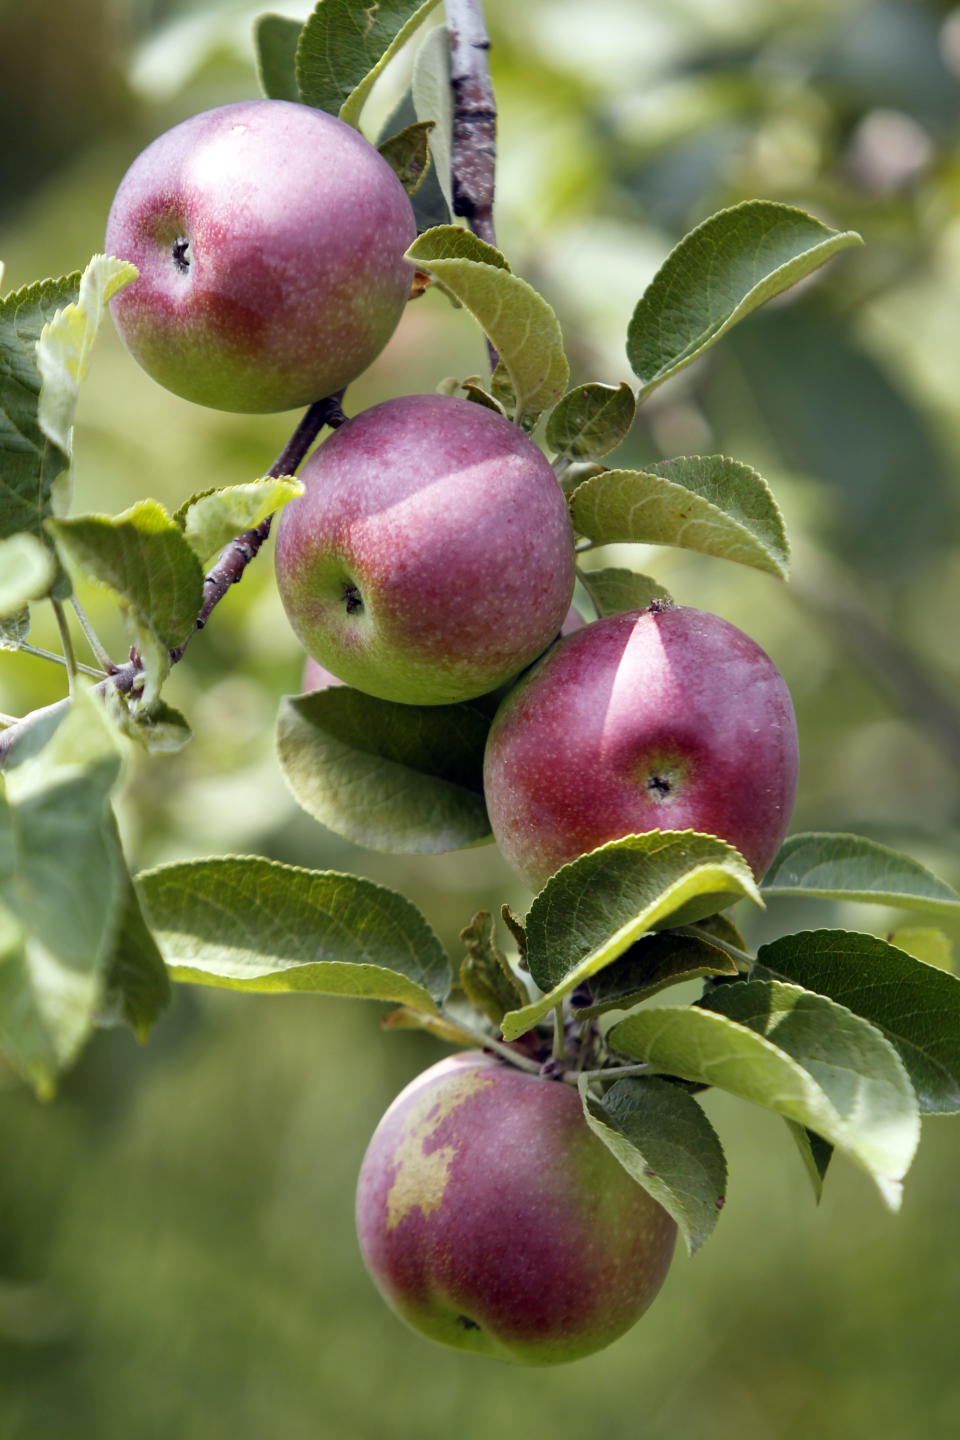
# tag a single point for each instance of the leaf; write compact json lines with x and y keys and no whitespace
{"x":651,"y":964}
{"x":14,"y":629}
{"x":796,"y":1053}
{"x":213,"y":518}
{"x":137,"y":983}
{"x":346,"y":44}
{"x":158,"y":727}
{"x":29,"y":461}
{"x":275,"y":39}
{"x":433,"y":100}
{"x":66,"y":340}
{"x":916,"y":1006}
{"x":615,"y":592}
{"x":591,"y":420}
{"x":816,"y":1154}
{"x":455,"y":242}
{"x":700,"y":502}
{"x":592,"y":910}
{"x":485,"y":975}
{"x":519,"y":322}
{"x":408,"y":154}
{"x":473,"y":390}
{"x":717,"y":274}
{"x":848,"y":867}
{"x":663,"y":1139}
{"x":406,"y":778}
{"x":144,"y":559}
{"x":61,"y":887}
{"x":244,"y":923}
{"x":27,"y":571}
{"x":925,"y":943}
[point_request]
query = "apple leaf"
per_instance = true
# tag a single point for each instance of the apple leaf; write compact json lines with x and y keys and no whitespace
{"x":473,"y":390}
{"x":137,"y":984}
{"x":30,"y":462}
{"x":346,"y":44}
{"x":717,"y":274}
{"x":393,"y":777}
{"x":616,"y":591}
{"x":485,"y":974}
{"x":158,"y":727}
{"x":27,"y":571}
{"x":455,"y":242}
{"x":61,"y":887}
{"x":213,"y":518}
{"x":433,"y":100}
{"x":916,"y":1006}
{"x":815,"y":1152}
{"x":848,"y":867}
{"x":796,"y":1053}
{"x":519,"y":322}
{"x":408,"y":154}
{"x":663,"y":1139}
{"x":14,"y":629}
{"x":244,"y":923}
{"x":143,"y":558}
{"x":700,"y":502}
{"x":275,"y":39}
{"x":924,"y":942}
{"x":64,"y":346}
{"x":593,"y":909}
{"x":668,"y":957}
{"x":591,"y":420}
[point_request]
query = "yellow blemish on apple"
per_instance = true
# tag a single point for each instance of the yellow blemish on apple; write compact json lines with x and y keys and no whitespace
{"x":421,"y":1178}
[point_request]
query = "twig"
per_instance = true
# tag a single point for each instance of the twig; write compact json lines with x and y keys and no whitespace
{"x":473,"y":148}
{"x":66,"y":641}
{"x":92,"y":638}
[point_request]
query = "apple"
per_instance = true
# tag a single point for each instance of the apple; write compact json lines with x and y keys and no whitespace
{"x":492,"y":1219}
{"x":269,"y":238}
{"x":431,"y":556}
{"x":315,"y":677}
{"x":661,"y":719}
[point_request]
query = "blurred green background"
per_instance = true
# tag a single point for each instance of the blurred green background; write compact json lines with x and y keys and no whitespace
{"x":177,"y":1255}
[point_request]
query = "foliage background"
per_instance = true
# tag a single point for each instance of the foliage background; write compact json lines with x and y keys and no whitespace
{"x":176,"y":1237}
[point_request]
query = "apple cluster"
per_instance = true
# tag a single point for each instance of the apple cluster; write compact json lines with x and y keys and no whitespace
{"x":431,"y":561}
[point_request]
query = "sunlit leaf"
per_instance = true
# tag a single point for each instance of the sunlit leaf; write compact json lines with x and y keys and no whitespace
{"x":848,"y":867}
{"x":27,"y":570}
{"x":346,"y":44}
{"x":213,"y":518}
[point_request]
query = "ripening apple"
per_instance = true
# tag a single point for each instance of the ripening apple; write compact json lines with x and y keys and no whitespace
{"x":316,"y":677}
{"x":661,"y":719}
{"x":492,"y":1219}
{"x":269,"y":237}
{"x":431,"y":556}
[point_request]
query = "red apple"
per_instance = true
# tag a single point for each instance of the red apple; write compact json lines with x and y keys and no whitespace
{"x":661,"y":719}
{"x":492,"y":1219}
{"x":316,"y":677}
{"x":431,"y":557}
{"x":269,"y":238}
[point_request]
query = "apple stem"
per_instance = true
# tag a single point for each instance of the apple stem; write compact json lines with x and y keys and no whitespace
{"x":92,"y":638}
{"x":25,"y":648}
{"x":66,"y":640}
{"x":559,"y":1033}
{"x":610,"y":1072}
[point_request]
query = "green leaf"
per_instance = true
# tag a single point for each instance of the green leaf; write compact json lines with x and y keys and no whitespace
{"x":158,"y":727}
{"x":485,"y":975}
{"x":915,"y":1005}
{"x":473,"y":390}
{"x":798,"y":1054}
{"x":393,"y":777}
{"x":592,"y":910}
{"x":346,"y":44}
{"x":518,"y":321}
{"x":591,"y":420}
{"x":138,"y":988}
{"x":30,"y":462}
{"x":700,"y":502}
{"x":669,"y":957}
{"x":27,"y":571}
{"x":616,"y":592}
{"x":816,"y":1154}
{"x":717,"y":274}
{"x":663,"y":1139}
{"x":63,"y":350}
{"x":433,"y":100}
{"x":14,"y":629}
{"x":213,"y":518}
{"x":244,"y":923}
{"x":142,"y":557}
{"x":408,"y":154}
{"x":847,"y":867}
{"x":275,"y":39}
{"x":61,"y":887}
{"x":455,"y":242}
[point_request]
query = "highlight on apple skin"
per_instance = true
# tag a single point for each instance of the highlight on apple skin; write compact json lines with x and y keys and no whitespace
{"x":269,"y":237}
{"x":493,"y":1220}
{"x":431,"y":556}
{"x":667,"y":718}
